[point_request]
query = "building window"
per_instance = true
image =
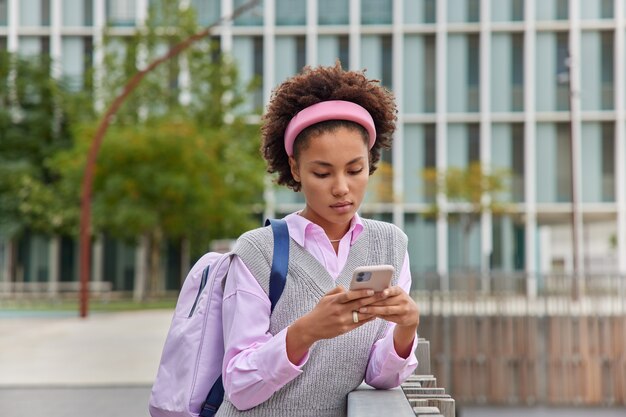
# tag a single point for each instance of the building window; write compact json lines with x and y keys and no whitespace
{"x":247,"y":51}
{"x":331,"y":48}
{"x":430,"y":159}
{"x":463,"y":10}
{"x":376,"y":56}
{"x":430,"y":11}
{"x":252,"y":17}
{"x":606,"y":9}
{"x":420,"y":159}
{"x":376,"y":12}
{"x":333,"y":12}
{"x":121,"y":12}
{"x":517,"y":72}
{"x":508,"y":243}
{"x":258,"y":71}
{"x":473,"y":138}
{"x":507,"y":155}
{"x":517,"y":161}
{"x":473,"y":73}
{"x":473,"y":10}
{"x":463,"y":144}
{"x":552,"y":9}
{"x":507,"y":10}
{"x":463,"y":73}
{"x":290,"y":56}
{"x":430,"y":74}
{"x":562,"y":9}
{"x":290,"y":13}
{"x":607,"y":62}
{"x":387,"y":61}
{"x":208,"y":11}
{"x":422,"y":233}
{"x":88,"y":12}
{"x":77,"y":13}
{"x":608,"y":162}
{"x":3,"y":12}
{"x":563,"y":164}
{"x":45,"y":12}
{"x":562,"y":71}
{"x":596,"y":9}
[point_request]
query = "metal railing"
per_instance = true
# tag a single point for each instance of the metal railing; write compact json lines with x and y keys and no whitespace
{"x":417,"y":396}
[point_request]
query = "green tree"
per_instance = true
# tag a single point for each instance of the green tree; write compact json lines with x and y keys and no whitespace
{"x":468,"y":187}
{"x":34,"y":125}
{"x":179,"y":161}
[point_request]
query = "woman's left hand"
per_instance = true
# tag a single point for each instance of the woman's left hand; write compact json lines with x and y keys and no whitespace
{"x":396,"y":306}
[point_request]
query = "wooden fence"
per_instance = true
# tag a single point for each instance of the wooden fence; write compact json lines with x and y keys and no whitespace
{"x":510,"y":350}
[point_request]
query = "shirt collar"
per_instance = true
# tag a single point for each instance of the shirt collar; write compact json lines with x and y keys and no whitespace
{"x":299,"y":227}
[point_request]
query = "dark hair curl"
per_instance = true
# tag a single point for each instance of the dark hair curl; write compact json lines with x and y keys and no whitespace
{"x":314,"y":85}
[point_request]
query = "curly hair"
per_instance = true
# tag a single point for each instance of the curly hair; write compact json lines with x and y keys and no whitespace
{"x":312,"y":86}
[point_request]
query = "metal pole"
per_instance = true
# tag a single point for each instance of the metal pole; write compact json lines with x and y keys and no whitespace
{"x":85,"y":202}
{"x":575,"y":169}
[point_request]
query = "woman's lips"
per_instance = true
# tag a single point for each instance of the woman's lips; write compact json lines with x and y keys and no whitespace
{"x":342,"y":207}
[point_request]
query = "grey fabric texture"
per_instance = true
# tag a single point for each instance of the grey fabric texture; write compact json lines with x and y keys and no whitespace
{"x":335,"y":366}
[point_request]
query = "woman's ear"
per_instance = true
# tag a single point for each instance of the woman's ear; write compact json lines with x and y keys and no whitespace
{"x":295,"y":171}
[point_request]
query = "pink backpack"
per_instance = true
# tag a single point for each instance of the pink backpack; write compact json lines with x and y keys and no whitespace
{"x":189,"y":380}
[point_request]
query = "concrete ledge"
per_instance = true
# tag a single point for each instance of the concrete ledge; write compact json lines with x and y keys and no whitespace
{"x":366,"y":401}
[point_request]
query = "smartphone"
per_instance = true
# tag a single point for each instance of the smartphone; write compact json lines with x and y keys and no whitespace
{"x":375,"y":277}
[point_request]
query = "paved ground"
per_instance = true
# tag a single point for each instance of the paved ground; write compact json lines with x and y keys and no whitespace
{"x":64,"y":366}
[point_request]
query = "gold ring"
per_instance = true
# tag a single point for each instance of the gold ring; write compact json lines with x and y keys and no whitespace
{"x":355,"y":316}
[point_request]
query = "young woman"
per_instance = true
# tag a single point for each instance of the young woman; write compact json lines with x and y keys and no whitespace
{"x":322,"y":134}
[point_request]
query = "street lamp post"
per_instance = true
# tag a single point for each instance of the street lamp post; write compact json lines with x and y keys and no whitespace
{"x":576,"y":218}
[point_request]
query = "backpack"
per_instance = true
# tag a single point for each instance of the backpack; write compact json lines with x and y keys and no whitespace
{"x":189,"y":381}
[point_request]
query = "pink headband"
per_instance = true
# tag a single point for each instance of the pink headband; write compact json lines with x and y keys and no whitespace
{"x":328,"y":110}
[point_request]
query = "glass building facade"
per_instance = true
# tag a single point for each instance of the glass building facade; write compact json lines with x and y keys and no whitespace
{"x":534,"y":87}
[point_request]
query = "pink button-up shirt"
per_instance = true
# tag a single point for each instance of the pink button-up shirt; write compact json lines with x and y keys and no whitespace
{"x":255,"y":361}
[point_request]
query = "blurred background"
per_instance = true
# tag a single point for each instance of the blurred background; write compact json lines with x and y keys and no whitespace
{"x":507,"y":172}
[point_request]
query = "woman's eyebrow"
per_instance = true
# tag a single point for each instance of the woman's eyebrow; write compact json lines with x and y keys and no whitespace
{"x":328,"y":164}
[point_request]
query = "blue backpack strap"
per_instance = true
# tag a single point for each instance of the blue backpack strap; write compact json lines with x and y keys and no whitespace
{"x":280,"y":259}
{"x":278,"y":277}
{"x":213,"y":399}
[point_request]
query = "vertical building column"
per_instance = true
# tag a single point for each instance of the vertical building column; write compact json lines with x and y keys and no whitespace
{"x":226,"y":29}
{"x":141,"y":12}
{"x":5,"y":262}
{"x":269,"y":75}
{"x":55,"y":38}
{"x":99,"y":18}
{"x":620,"y":136}
{"x":530,"y":131}
{"x":54,"y":253}
{"x":184,"y":79}
{"x":141,"y":265}
{"x":355,"y":35}
{"x":97,"y":254}
{"x":442,"y":132}
{"x":398,"y":88}
{"x":485,"y":137}
{"x":269,"y":46}
{"x":311,"y":32}
{"x":12,"y":22}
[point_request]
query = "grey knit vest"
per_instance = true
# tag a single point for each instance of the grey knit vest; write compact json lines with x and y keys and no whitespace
{"x":335,"y":366}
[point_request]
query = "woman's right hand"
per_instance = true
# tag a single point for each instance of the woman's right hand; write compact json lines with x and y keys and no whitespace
{"x":331,"y":317}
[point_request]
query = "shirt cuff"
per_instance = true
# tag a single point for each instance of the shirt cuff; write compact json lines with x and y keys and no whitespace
{"x":386,"y":369}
